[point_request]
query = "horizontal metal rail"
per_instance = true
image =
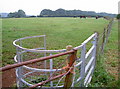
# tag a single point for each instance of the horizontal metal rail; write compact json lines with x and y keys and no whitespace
{"x":35,"y":50}
{"x":87,"y":40}
{"x":51,"y":79}
{"x":89,"y":63}
{"x":41,"y":70}
{"x":88,"y":75}
{"x":34,"y":60}
{"x":78,"y":64}
{"x":79,"y":79}
{"x":89,"y":52}
{"x":48,"y":51}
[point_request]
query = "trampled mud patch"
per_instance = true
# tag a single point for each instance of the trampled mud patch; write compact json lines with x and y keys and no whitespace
{"x":8,"y":78}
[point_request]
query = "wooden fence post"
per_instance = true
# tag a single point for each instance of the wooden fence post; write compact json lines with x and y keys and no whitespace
{"x":70,"y":63}
{"x":109,"y":29}
{"x":103,"y":42}
{"x":107,"y":34}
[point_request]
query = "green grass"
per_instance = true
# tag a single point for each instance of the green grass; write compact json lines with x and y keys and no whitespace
{"x":111,"y":56}
{"x":61,"y":31}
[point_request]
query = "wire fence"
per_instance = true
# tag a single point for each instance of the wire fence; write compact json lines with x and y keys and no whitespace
{"x":103,"y":38}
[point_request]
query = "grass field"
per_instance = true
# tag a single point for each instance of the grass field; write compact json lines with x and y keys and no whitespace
{"x":60,"y":32}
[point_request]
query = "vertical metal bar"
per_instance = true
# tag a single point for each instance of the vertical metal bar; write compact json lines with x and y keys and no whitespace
{"x":51,"y":68}
{"x":20,"y":42}
{"x":17,"y":79}
{"x":21,"y":55}
{"x":45,"y":42}
{"x":94,"y":52}
{"x":20,"y":84}
{"x":21,"y":60}
{"x":82,"y":69}
{"x":45,"y":53}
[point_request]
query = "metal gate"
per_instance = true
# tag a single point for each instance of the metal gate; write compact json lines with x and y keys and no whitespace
{"x":84,"y":64}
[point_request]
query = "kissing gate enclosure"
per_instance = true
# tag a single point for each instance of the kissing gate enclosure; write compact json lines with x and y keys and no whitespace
{"x":39,"y":67}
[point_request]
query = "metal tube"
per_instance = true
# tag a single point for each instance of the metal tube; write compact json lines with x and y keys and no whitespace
{"x":51,"y":79}
{"x":34,"y":60}
{"x":45,"y":64}
{"x":51,"y":68}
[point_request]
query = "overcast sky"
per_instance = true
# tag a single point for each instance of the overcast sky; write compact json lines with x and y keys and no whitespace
{"x":33,"y":7}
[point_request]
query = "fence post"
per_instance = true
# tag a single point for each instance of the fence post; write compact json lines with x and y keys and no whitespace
{"x":107,"y":34}
{"x":70,"y":59}
{"x":109,"y":29}
{"x":103,"y":42}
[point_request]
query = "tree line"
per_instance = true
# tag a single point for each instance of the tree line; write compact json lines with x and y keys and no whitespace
{"x":18,"y":14}
{"x":68,"y":13}
{"x":60,"y":13}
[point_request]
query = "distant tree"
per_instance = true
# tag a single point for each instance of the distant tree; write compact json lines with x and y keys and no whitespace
{"x":60,"y":12}
{"x":11,"y":15}
{"x":18,"y":14}
{"x":21,"y":13}
{"x":118,"y":16}
{"x":46,"y":12}
{"x":0,"y":16}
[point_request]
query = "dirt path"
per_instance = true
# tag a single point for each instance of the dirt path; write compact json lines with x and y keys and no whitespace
{"x":8,"y":78}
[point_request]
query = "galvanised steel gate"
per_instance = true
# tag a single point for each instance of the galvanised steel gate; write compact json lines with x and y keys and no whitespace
{"x":28,"y":75}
